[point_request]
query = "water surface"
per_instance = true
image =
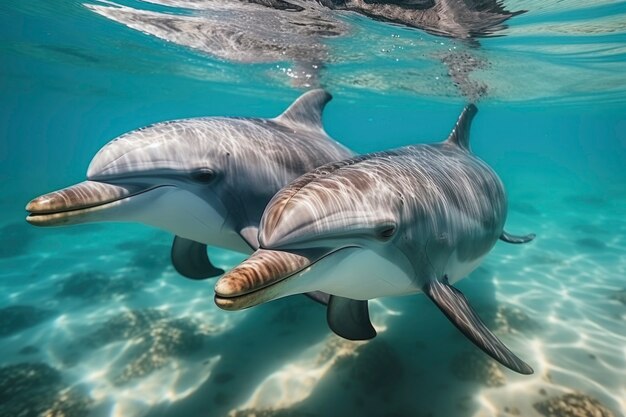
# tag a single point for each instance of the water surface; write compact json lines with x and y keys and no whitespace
{"x":103,"y":310}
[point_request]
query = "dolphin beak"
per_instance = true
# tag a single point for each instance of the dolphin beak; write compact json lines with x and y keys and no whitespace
{"x":71,"y":205}
{"x":258,"y":279}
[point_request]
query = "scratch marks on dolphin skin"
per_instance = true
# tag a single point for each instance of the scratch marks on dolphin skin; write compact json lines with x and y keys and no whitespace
{"x":453,"y":191}
{"x":84,"y":195}
{"x":241,"y":138}
{"x":262,"y":269}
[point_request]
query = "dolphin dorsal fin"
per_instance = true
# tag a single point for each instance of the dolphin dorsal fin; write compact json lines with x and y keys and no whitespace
{"x":460,"y":135}
{"x":306,"y":111}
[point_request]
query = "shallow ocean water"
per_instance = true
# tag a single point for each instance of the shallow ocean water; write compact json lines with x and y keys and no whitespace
{"x":122,"y":334}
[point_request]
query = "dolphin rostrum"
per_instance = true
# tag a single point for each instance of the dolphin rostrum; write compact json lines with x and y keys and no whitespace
{"x":206,"y":180}
{"x":408,"y":220}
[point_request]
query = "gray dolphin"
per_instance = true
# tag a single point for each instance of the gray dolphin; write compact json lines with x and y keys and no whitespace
{"x":206,"y":180}
{"x":409,"y":220}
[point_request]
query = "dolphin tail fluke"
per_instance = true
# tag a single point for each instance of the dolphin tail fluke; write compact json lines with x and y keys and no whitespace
{"x":460,"y":135}
{"x":349,"y":318}
{"x":191,"y":260}
{"x":454,"y":305}
{"x":509,"y":238}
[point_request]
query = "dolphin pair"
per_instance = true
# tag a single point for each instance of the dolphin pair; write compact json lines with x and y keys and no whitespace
{"x":206,"y":180}
{"x":409,"y":220}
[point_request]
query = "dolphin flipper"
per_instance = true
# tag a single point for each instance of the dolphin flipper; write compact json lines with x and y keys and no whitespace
{"x":349,"y":318}
{"x":509,"y":238}
{"x":454,"y":305}
{"x":191,"y":260}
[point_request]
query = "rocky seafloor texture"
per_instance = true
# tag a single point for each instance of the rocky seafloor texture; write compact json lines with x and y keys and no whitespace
{"x":38,"y":390}
{"x":572,"y":405}
{"x":154,"y":337}
{"x":14,"y":319}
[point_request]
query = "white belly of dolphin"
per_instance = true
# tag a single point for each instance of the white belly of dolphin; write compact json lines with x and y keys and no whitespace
{"x":363,"y":274}
{"x":456,"y":269}
{"x":179,"y":212}
{"x":357,"y":273}
{"x":187,"y":215}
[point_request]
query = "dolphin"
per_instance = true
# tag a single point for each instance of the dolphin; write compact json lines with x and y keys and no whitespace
{"x":206,"y":180}
{"x":403,"y":221}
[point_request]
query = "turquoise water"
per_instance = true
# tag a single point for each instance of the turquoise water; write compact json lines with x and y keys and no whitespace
{"x":122,"y":334}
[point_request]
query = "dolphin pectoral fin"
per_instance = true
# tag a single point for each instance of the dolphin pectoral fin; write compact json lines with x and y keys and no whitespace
{"x":349,"y":318}
{"x":509,"y":238}
{"x":319,"y":297}
{"x":454,"y":305}
{"x":251,"y":235}
{"x":191,"y":260}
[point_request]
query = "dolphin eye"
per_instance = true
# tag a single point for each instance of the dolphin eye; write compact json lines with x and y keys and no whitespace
{"x":386,"y":232}
{"x":203,"y":175}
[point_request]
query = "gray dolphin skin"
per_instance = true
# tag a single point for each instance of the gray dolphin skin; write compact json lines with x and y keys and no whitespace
{"x":206,"y":180}
{"x":409,"y":220}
